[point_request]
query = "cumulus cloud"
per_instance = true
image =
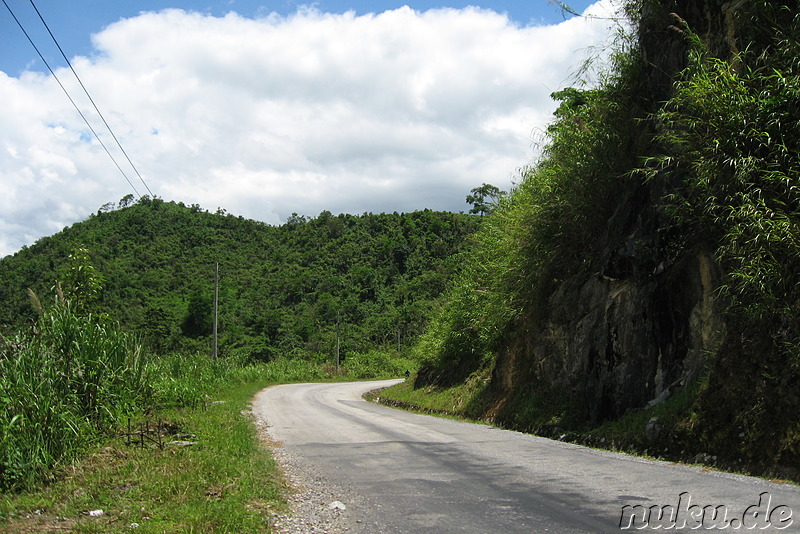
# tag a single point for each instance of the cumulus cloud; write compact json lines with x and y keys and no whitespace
{"x":395,"y":111}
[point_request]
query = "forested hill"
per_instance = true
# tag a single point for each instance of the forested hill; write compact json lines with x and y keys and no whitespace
{"x":282,"y":289}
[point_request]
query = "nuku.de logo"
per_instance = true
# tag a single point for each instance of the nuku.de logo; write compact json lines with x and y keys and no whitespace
{"x":686,"y":515}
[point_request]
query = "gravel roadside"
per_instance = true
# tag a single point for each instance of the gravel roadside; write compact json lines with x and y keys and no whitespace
{"x":316,"y":506}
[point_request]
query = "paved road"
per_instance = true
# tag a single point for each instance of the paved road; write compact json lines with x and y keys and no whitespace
{"x":409,"y":473}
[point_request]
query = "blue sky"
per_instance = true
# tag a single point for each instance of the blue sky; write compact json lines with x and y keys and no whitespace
{"x":73,"y":22}
{"x":265,"y":110}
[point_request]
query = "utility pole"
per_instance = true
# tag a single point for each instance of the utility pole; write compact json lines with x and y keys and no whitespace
{"x":337,"y":342}
{"x":216,"y":306}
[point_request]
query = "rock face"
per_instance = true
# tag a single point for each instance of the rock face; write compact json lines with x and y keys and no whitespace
{"x":664,"y":46}
{"x":637,"y":329}
{"x":632,"y":331}
{"x":621,"y":343}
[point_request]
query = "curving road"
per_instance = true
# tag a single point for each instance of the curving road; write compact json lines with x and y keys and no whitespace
{"x":410,"y":473}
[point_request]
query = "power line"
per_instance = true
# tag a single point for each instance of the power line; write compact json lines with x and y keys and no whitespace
{"x":89,"y":96}
{"x":85,"y":120}
{"x":69,"y":97}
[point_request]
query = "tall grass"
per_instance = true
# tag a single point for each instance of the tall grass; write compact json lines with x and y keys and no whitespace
{"x":732,"y":132}
{"x":60,"y":384}
{"x":75,"y":375}
{"x":189,"y":380}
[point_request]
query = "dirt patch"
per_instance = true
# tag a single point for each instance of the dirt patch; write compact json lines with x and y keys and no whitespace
{"x":37,"y":521}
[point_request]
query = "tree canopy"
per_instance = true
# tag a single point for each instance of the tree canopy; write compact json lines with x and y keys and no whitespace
{"x":281,"y":287}
{"x":484,"y":199}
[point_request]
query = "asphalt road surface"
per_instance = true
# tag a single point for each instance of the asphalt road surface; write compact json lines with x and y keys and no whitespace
{"x":408,"y":473}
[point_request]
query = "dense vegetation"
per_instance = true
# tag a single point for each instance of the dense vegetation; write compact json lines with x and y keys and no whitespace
{"x":71,"y":379}
{"x":58,"y":386}
{"x":113,"y":316}
{"x":283,"y":290}
{"x":731,"y":135}
{"x":716,"y":162}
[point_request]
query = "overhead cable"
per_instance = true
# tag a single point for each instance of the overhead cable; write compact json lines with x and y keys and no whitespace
{"x":55,"y":77}
{"x":89,"y":96}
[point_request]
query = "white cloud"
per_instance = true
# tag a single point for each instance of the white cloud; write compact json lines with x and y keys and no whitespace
{"x":391,"y":112}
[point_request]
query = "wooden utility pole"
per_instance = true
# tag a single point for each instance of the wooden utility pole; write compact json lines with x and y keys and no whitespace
{"x":216,"y":306}
{"x":337,"y":342}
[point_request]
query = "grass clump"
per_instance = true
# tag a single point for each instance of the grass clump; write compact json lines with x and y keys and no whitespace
{"x":60,"y":384}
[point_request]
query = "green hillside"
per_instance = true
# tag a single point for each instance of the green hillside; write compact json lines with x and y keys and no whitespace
{"x":282,"y":289}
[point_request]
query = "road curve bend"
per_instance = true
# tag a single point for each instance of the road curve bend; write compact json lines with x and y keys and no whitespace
{"x":402,"y":472}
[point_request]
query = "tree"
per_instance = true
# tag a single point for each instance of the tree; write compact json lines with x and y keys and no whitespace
{"x":198,"y":321}
{"x":484,"y":199}
{"x":106,"y":208}
{"x":80,"y":281}
{"x":155,"y":326}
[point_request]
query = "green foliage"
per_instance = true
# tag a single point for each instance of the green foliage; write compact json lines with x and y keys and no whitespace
{"x":228,"y":482}
{"x":731,"y":130}
{"x":80,"y":281}
{"x":377,"y":364}
{"x":199,"y":320}
{"x":70,"y":381}
{"x":191,"y":380}
{"x":484,"y":199}
{"x":733,"y":147}
{"x":281,"y":287}
{"x":286,"y":293}
{"x":464,"y":399}
{"x":474,"y":312}
{"x":58,"y":386}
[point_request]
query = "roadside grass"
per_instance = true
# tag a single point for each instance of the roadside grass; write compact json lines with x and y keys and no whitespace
{"x":674,"y":419}
{"x":70,"y":376}
{"x":226,"y":482}
{"x":464,"y":400}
